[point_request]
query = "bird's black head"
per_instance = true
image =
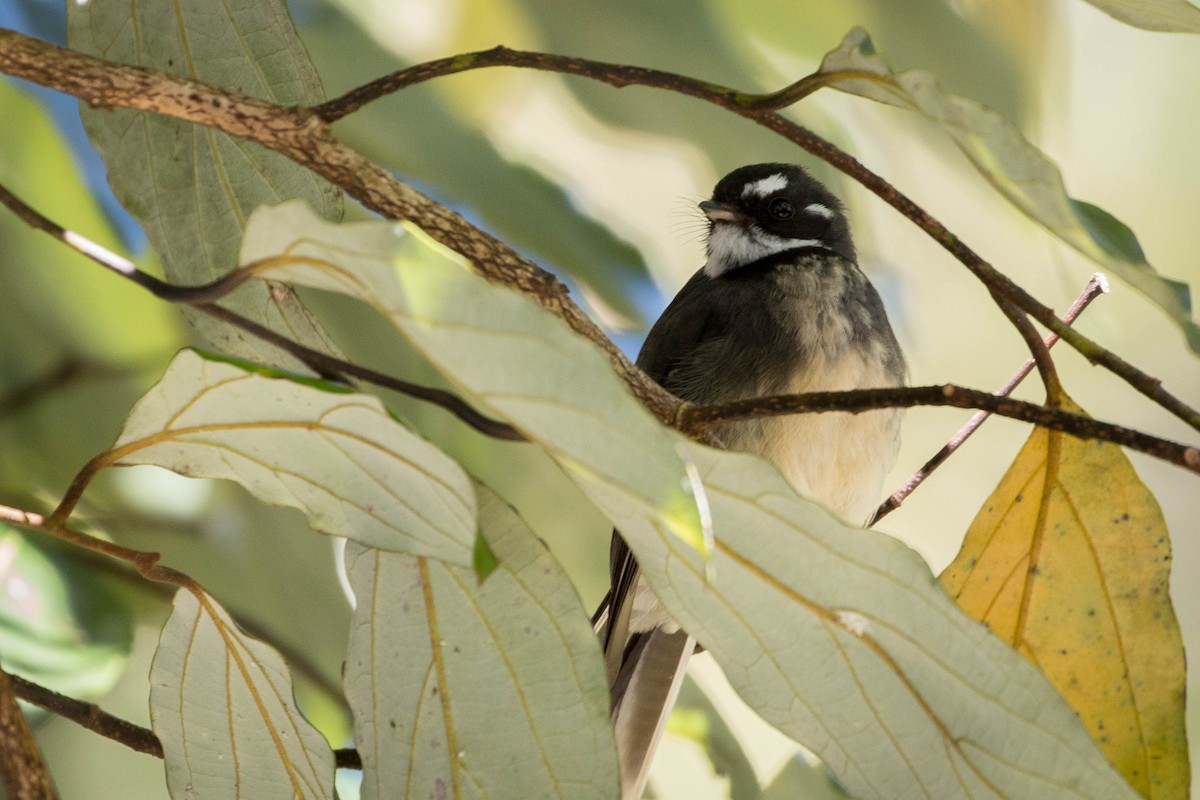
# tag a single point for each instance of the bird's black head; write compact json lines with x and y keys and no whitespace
{"x":763,"y":209}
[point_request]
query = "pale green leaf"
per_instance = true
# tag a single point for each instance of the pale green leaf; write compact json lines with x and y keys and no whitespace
{"x":334,"y":454}
{"x":509,"y":357}
{"x":1177,"y":16}
{"x":843,"y":640}
{"x":221,"y":703}
{"x":193,"y":188}
{"x":1019,"y":171}
{"x":468,"y":689}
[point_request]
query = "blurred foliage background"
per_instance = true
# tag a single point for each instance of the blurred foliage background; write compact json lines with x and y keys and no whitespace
{"x":599,"y":186}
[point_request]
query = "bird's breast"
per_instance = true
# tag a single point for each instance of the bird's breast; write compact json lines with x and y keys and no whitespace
{"x":836,"y":458}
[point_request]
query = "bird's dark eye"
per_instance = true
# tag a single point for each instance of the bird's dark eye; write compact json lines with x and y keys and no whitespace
{"x":781,"y":208}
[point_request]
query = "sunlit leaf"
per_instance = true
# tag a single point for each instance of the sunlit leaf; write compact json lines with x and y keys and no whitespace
{"x":470,"y":689}
{"x":334,"y":454}
{"x":190,"y":187}
{"x":1154,"y":15}
{"x":1069,"y":561}
{"x":508,"y":356}
{"x":221,"y":703}
{"x":60,"y":626}
{"x":1018,"y":170}
{"x":843,"y":640}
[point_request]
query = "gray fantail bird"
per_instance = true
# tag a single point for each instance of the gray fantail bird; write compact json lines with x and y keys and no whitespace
{"x":779,"y":307}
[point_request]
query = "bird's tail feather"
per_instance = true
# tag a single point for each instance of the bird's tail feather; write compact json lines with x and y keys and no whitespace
{"x":643,"y":695}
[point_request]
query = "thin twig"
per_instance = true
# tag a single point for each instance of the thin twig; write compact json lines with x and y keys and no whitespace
{"x":202,"y":297}
{"x":1096,"y":286}
{"x":693,"y":417}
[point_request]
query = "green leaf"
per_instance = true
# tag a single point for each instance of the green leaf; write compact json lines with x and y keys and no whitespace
{"x":190,"y":187}
{"x":60,"y":626}
{"x":462,"y":688}
{"x":1177,"y":16}
{"x":843,"y":640}
{"x":507,"y":355}
{"x":1018,"y":170}
{"x":221,"y":703}
{"x":335,"y":455}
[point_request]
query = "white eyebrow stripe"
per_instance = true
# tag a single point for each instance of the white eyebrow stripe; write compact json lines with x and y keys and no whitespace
{"x":765,"y":186}
{"x":819,"y":210}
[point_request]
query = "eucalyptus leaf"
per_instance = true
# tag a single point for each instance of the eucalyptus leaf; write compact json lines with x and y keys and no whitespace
{"x":462,"y":688}
{"x":334,"y":454}
{"x":507,"y":355}
{"x":1178,"y":16}
{"x":1019,"y":171}
{"x":221,"y":704}
{"x":843,"y":640}
{"x":190,"y":187}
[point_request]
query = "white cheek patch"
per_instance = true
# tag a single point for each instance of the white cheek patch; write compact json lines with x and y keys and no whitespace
{"x":731,"y":246}
{"x":765,"y":186}
{"x":818,"y":210}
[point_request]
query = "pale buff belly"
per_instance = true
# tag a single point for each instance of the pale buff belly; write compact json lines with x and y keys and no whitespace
{"x":838,"y":459}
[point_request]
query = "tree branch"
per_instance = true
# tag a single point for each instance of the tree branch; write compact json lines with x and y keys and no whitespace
{"x":21,"y":764}
{"x":699,"y":417}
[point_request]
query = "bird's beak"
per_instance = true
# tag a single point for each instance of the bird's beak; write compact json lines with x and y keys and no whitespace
{"x":719,"y":212}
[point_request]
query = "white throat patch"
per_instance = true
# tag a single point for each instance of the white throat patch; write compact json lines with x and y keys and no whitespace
{"x":765,"y":186}
{"x":731,"y":246}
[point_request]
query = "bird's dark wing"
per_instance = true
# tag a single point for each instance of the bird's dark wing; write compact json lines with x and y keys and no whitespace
{"x":687,"y":323}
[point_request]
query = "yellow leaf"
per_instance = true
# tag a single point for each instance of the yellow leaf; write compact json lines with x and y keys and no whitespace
{"x":1069,"y":561}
